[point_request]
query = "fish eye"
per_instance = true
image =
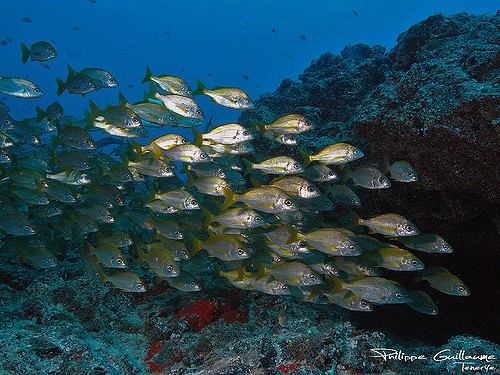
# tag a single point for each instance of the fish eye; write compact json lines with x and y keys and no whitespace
{"x":312,"y":277}
{"x":70,"y":197}
{"x":183,"y":253}
{"x":144,"y":131}
{"x":185,"y":140}
{"x":247,"y":101}
{"x":398,"y":295}
{"x":352,"y":247}
{"x":49,"y":50}
{"x":193,"y":284}
{"x":203,"y":155}
{"x":409,"y":228}
{"x":240,"y":251}
{"x":177,"y":233}
{"x":363,"y":304}
{"x":356,"y":152}
{"x":245,"y":133}
{"x":171,"y":118}
{"x":170,"y":268}
{"x":194,"y":202}
{"x":257,"y":218}
{"x":414,"y":262}
{"x":296,"y":166}
{"x":284,"y":287}
{"x":111,"y":79}
{"x":381,"y":180}
{"x":410,"y":173}
{"x":288,"y":202}
{"x":311,"y":189}
{"x":461,"y":289}
{"x":27,"y":228}
{"x":331,"y":174}
{"x":37,"y":90}
{"x":198,"y":112}
{"x":120,"y":262}
{"x":139,"y":285}
{"x":445,"y":246}
{"x":302,"y":244}
{"x":109,"y":217}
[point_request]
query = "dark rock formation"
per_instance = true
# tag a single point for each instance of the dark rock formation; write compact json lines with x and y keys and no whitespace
{"x":433,"y":100}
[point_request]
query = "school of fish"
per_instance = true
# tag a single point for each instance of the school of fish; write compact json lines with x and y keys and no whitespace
{"x":259,"y":220}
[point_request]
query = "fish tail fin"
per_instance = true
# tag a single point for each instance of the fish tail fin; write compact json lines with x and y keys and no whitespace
{"x":197,"y":244}
{"x":294,"y":235}
{"x":200,"y":90}
{"x":122,"y":100}
{"x":94,"y":110}
{"x":198,"y":137}
{"x":141,"y":255}
{"x":138,"y":148}
{"x":349,"y":219}
{"x":157,"y":152}
{"x":346,"y":173}
{"x":26,"y":53}
{"x":255,"y":182}
{"x":248,"y":166}
{"x":257,"y":126}
{"x":151,"y":93}
{"x":71,"y":71}
{"x":40,"y":114}
{"x":385,"y":166}
{"x":208,"y":125}
{"x":230,"y":198}
{"x":337,"y":282}
{"x":307,"y":158}
{"x":261,"y":272}
{"x":209,"y":218}
{"x":148,"y":75}
{"x":61,"y":86}
{"x":190,"y":179}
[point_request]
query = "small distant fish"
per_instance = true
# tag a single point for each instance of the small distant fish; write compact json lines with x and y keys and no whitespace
{"x":230,"y":97}
{"x":166,"y":33}
{"x":93,"y":1}
{"x":39,"y":51}
{"x":131,"y":86}
{"x":426,"y":242}
{"x":243,"y":27}
{"x":302,"y":37}
{"x":389,"y":224}
{"x":126,"y":281}
{"x":26,"y":19}
{"x":422,"y":303}
{"x":282,"y":165}
{"x":226,"y":134}
{"x":3,"y":43}
{"x":79,"y":83}
{"x":19,"y":87}
{"x":401,"y":170}
{"x":367,"y":177}
{"x":288,"y":124}
{"x":210,"y":74}
{"x":245,"y":77}
{"x":343,"y":194}
{"x":71,"y":55}
{"x":293,"y":273}
{"x":100,"y":77}
{"x":46,"y":66}
{"x":74,"y":28}
{"x":168,"y":83}
{"x":337,"y":153}
{"x":273,"y":30}
{"x":444,"y":281}
{"x":354,"y":12}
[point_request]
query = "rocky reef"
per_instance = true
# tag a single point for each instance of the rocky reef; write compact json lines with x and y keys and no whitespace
{"x":433,"y":100}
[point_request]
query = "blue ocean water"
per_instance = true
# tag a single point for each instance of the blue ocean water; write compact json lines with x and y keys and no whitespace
{"x":253,"y":46}
{"x":218,"y":42}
